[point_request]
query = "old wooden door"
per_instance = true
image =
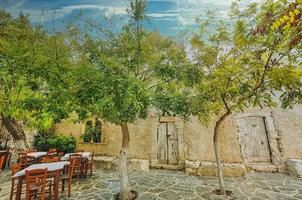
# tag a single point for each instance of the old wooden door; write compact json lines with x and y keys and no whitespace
{"x":167,"y":140}
{"x":254,"y":140}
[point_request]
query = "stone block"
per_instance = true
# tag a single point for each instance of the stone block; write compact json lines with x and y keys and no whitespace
{"x":138,"y":165}
{"x":111,"y":164}
{"x":192,"y":164}
{"x":106,"y":163}
{"x":294,"y":167}
{"x":209,"y":169}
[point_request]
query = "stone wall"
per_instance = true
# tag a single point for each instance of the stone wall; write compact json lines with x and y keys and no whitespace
{"x":196,"y":141}
{"x":288,"y":124}
{"x":140,"y":137}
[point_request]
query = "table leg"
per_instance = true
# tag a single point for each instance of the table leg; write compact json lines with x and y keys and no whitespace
{"x":19,"y":188}
{"x":56,"y":186}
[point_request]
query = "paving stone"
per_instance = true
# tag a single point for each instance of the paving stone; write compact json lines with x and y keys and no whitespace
{"x":175,"y":185}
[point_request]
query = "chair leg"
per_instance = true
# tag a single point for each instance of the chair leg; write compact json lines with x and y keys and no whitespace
{"x":69,"y":188}
{"x":50,"y":190}
{"x":63,"y":185}
{"x":12,"y":190}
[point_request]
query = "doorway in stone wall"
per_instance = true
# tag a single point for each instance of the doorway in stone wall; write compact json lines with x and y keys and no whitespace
{"x":254,"y":139}
{"x":167,"y":143}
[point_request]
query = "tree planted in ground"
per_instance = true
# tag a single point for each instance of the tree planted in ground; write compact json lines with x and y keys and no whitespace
{"x":236,"y":68}
{"x":32,"y":79}
{"x":121,"y":75}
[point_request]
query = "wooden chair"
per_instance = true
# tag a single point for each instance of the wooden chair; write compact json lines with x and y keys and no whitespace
{"x":4,"y":154}
{"x":14,"y":168}
{"x":78,"y":167}
{"x":68,"y":177}
{"x":89,"y":166}
{"x":35,"y":183}
{"x":24,"y":160}
{"x":52,"y":152}
{"x":60,"y":154}
{"x":51,"y":159}
{"x":1,"y":162}
{"x":30,"y":150}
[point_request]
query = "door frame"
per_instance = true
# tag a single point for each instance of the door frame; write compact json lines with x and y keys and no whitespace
{"x":180,"y":134}
{"x":272,"y":135}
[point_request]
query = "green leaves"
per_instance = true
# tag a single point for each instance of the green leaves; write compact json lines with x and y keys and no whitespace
{"x":33,"y":79}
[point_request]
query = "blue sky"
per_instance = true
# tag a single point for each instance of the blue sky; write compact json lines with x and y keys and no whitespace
{"x":167,"y":16}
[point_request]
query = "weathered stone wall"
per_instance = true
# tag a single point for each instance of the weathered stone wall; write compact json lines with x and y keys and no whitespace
{"x":140,"y":137}
{"x":288,"y":125}
{"x":197,"y":152}
{"x":199,"y":139}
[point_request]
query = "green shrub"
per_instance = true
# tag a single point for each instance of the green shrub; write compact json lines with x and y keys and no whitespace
{"x":45,"y":141}
{"x":92,"y":133}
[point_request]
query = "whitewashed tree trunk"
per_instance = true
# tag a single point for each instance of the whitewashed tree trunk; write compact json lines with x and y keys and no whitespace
{"x":217,"y":151}
{"x":125,"y":191}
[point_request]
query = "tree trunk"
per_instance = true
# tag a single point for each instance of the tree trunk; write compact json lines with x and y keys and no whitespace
{"x":125,"y":191}
{"x":217,"y":150}
{"x":15,"y":129}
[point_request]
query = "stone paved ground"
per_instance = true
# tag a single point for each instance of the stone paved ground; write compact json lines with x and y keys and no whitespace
{"x":171,"y":185}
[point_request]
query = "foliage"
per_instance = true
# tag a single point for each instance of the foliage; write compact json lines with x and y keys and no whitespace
{"x":123,"y":69}
{"x":34,"y":73}
{"x":46,"y":141}
{"x":92,"y":133}
{"x":233,"y":69}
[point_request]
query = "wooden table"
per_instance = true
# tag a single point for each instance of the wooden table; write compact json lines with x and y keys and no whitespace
{"x":36,"y":156}
{"x":85,"y":155}
{"x":51,"y":167}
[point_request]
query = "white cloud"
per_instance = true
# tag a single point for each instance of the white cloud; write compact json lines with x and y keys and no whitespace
{"x":194,"y":3}
{"x":162,"y":15}
{"x":109,"y":11}
{"x":185,"y":21}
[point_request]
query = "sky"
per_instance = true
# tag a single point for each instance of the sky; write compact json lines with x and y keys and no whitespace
{"x":169,"y":17}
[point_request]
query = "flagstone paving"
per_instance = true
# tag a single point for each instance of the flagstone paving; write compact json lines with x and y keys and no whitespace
{"x":172,"y":185}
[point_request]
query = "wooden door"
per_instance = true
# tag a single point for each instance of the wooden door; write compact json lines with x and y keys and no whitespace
{"x":254,"y":140}
{"x":167,"y":141}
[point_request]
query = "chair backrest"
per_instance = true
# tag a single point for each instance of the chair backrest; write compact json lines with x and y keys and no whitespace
{"x":1,"y":161}
{"x":77,"y":158}
{"x":15,"y":168}
{"x":36,"y":177}
{"x":23,"y":159}
{"x":71,"y":168}
{"x":50,"y":159}
{"x":60,"y":154}
{"x":29,"y":150}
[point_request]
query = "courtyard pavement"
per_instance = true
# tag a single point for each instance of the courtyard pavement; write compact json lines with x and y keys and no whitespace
{"x":173,"y":185}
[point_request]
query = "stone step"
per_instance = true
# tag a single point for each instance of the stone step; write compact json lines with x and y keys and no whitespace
{"x":294,"y":167}
{"x":108,"y":163}
{"x":263,"y":167}
{"x":165,"y":166}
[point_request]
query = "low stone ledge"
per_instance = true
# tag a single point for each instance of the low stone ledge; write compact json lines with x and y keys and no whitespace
{"x":111,"y":163}
{"x":199,"y":168}
{"x":294,"y":167}
{"x":106,"y":163}
{"x":138,"y":165}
